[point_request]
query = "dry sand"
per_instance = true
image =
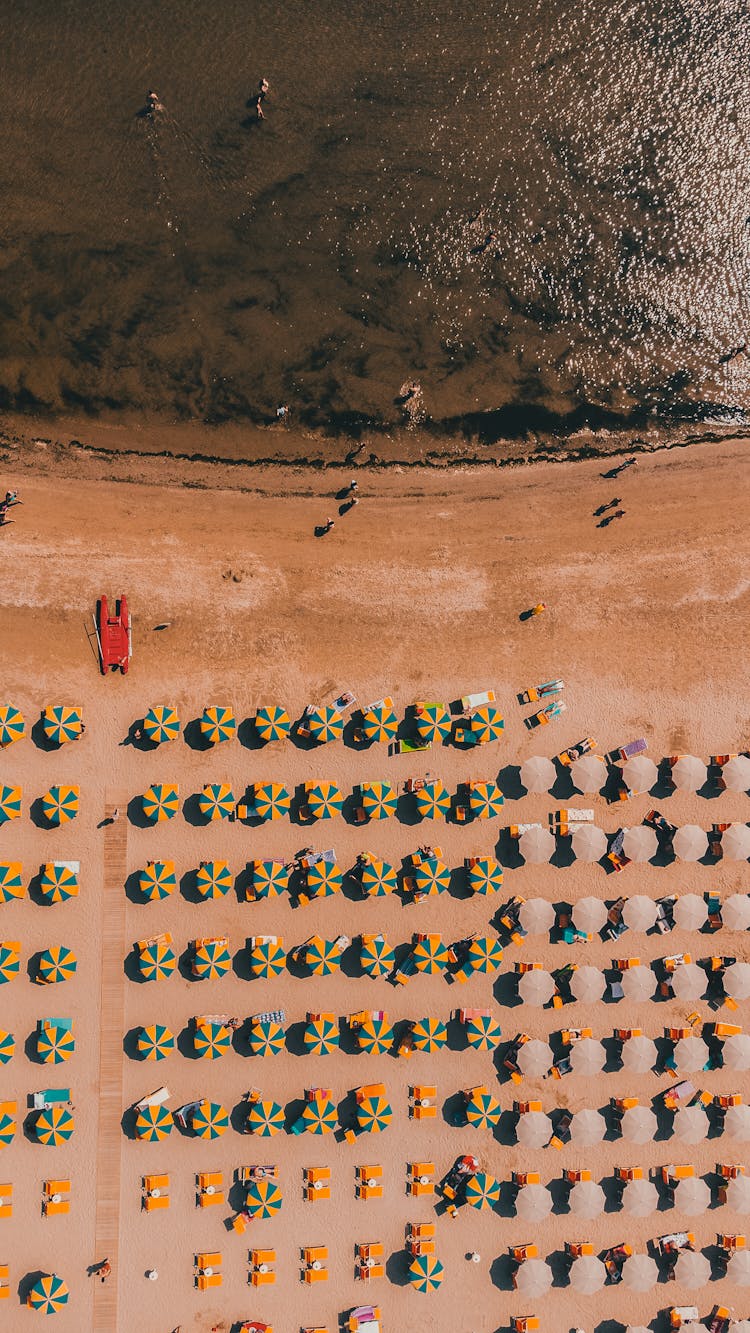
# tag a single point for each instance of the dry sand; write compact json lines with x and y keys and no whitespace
{"x":417,"y":593}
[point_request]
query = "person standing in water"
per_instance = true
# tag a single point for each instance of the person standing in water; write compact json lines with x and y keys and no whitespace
{"x":260,"y":97}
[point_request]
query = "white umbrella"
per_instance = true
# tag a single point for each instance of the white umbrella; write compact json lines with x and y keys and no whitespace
{"x":739,"y":1326}
{"x":738,"y":1194}
{"x":639,"y":843}
{"x":737,"y":1123}
{"x":735,"y":911}
{"x":536,"y":987}
{"x":638,"y":983}
{"x":692,"y":1270}
{"x":736,"y":1052}
{"x":689,"y":981}
{"x":690,"y":1124}
{"x":537,"y":845}
{"x":639,"y":912}
{"x":737,"y":981}
{"x":638,"y":1125}
{"x":638,"y":1054}
{"x":637,"y":1328}
{"x":735,"y":842}
{"x":640,"y":1272}
{"x":587,"y":1057}
{"x":639,"y":773}
{"x":640,"y":1198}
{"x":533,"y":1202}
{"x":589,"y":773}
{"x":589,"y":842}
{"x":588,"y":984}
{"x":538,"y":773}
{"x":692,"y":1196}
{"x":536,"y":916}
{"x":738,"y":1269}
{"x":690,"y":842}
{"x":534,"y":1058}
{"x":690,"y":1054}
{"x":533,"y":1278}
{"x":587,"y":1128}
{"x":589,"y":915}
{"x":587,"y":1199}
{"x":534,"y":1129}
{"x":587,"y":1275}
{"x":689,"y":773}
{"x":736,"y":773}
{"x":690,"y":912}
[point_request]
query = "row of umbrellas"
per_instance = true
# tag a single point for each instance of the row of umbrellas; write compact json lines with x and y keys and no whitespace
{"x":537,"y":916}
{"x":590,"y":773}
{"x":637,"y":1125}
{"x":590,"y":843}
{"x":58,"y":881}
{"x":266,"y":1118}
{"x":640,"y":1273}
{"x":52,"y":1126}
{"x":57,"y":963}
{"x":689,"y":981}
{"x":640,"y":1198}
{"x":59,"y":804}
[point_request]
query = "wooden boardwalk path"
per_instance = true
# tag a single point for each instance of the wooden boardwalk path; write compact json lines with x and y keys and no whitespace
{"x":111,"y":1018}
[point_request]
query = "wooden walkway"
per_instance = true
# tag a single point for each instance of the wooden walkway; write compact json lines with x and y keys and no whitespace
{"x":111,"y":1018}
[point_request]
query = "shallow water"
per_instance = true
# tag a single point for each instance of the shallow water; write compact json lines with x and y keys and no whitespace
{"x":537,"y":210}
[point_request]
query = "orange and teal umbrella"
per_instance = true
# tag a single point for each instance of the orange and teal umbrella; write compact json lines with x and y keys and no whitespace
{"x":56,"y":964}
{"x":486,"y":876}
{"x":433,"y":722}
{"x":378,"y":878}
{"x":218,"y":723}
{"x":62,"y":724}
{"x":54,"y":1044}
{"x":270,"y":878}
{"x":426,"y":1273}
{"x":7,"y":1046}
{"x":213,"y":880}
{"x":324,"y":800}
{"x":58,"y":882}
{"x":487,"y":724}
{"x":379,"y":723}
{"x":155,"y":1042}
{"x":482,"y":1191}
{"x":430,"y":954}
{"x":161,"y":801}
{"x":322,"y":956}
{"x":7,"y":1128}
{"x":485,"y":955}
{"x":12,"y":725}
{"x":377,"y":957}
{"x":157,"y":880}
{"x":48,"y":1294}
{"x":374,"y":1114}
{"x":379,"y":799}
{"x":211,"y":960}
{"x":324,"y":879}
{"x":60,"y":804}
{"x":325,"y":724}
{"x":154,"y":1123}
{"x":429,"y":1034}
{"x":263,"y":1198}
{"x":10,"y":803}
{"x":321,"y":1036}
{"x":433,"y":801}
{"x":272,"y":723}
{"x":483,"y":1033}
{"x":432,"y":876}
{"x":271,"y":800}
{"x":319,"y":1116}
{"x":10,"y":961}
{"x":265,"y":1119}
{"x":211,"y":1040}
{"x":375,"y":1036}
{"x":11,"y":881}
{"x":161,"y":723}
{"x":216,"y":801}
{"x":54,"y":1125}
{"x":266,"y":1038}
{"x":268,"y":958}
{"x":483,"y":1111}
{"x":486,"y":800}
{"x":210,"y":1120}
{"x":156,"y":961}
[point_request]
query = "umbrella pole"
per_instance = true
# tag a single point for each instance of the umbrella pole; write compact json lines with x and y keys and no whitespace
{"x":98,"y":640}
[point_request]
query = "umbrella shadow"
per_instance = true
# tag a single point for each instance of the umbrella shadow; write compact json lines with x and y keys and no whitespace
{"x":186,"y":1043}
{"x":507,"y":850}
{"x":241,"y":963}
{"x":236,"y":1201}
{"x":184,"y":965}
{"x":456,"y":1035}
{"x":560,"y":1191}
{"x":295,"y":1038}
{"x":137,"y":815}
{"x":194,"y":737}
{"x":352,"y":803}
{"x":189,"y":886}
{"x":397,"y":1268}
{"x":35,"y":890}
{"x":133,"y":891}
{"x":32,"y":967}
{"x":130,"y":1045}
{"x":562,"y":788}
{"x":353,"y":738}
{"x":454,"y":1109}
{"x":612,"y":1194}
{"x":249,"y":737}
{"x":131,"y":967}
{"x":458,"y":886}
{"x":509,"y":782}
{"x":506,"y":1204}
{"x":298,"y":805}
{"x":501,"y":1272}
{"x":293,"y":1110}
{"x":127,"y":1122}
{"x":30,"y":1048}
{"x":40,"y":738}
{"x":298,"y":740}
{"x":37,"y":815}
{"x":192,"y":813}
{"x":350,"y":964}
{"x":563,"y":854}
{"x":406,"y":809}
{"x":505,"y":990}
{"x":238,"y":1116}
{"x":28,"y":1281}
{"x":137,"y":737}
{"x":351,"y":886}
{"x":560,"y":1264}
{"x":242,"y":882}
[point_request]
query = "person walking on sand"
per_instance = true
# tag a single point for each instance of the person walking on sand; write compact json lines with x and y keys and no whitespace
{"x":105,"y":1268}
{"x":260,"y":97}
{"x":328,"y":525}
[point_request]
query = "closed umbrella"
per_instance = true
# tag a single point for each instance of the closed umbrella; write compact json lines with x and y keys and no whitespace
{"x":587,"y":1128}
{"x":533,"y":1203}
{"x":586,"y":1199}
{"x":640,"y":1272}
{"x":638,"y":1125}
{"x":536,"y":916}
{"x":736,"y":773}
{"x":537,"y":845}
{"x":738,"y":1195}
{"x":272,"y":722}
{"x":588,"y":1275}
{"x":738,"y":1269}
{"x":589,"y":915}
{"x":692,"y":1196}
{"x":689,"y":773}
{"x":538,"y":773}
{"x":735,"y":911}
{"x":737,"y":1123}
{"x":736,"y":1052}
{"x":589,"y":773}
{"x":588,"y":984}
{"x":691,"y":1054}
{"x":639,"y":912}
{"x":640,"y":1198}
{"x":690,"y":1124}
{"x":534,"y":1129}
{"x":534,"y":1058}
{"x":638,"y":984}
{"x":640,"y":843}
{"x":533,"y":1278}
{"x":536,"y":987}
{"x":690,"y":842}
{"x":690,"y":912}
{"x":638,"y":1053}
{"x":587,"y":1057}
{"x":639,"y":774}
{"x":692,"y":1270}
{"x":689,"y":981}
{"x":737,"y":981}
{"x":589,"y":842}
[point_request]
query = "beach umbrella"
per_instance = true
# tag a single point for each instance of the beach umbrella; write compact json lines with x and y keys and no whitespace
{"x":11,"y":882}
{"x":691,"y":1054}
{"x":161,"y":724}
{"x":735,"y":911}
{"x":12,"y":725}
{"x":690,"y":843}
{"x":48,"y":1294}
{"x":736,"y":981}
{"x":738,"y":1195}
{"x":157,"y":880}
{"x":57,"y":963}
{"x":485,"y":955}
{"x":639,"y":912}
{"x":375,"y":1035}
{"x":533,"y":1278}
{"x":534,"y":1057}
{"x":377,"y":958}
{"x":213,"y":880}
{"x":638,"y":984}
{"x":638,"y":1125}
{"x":588,"y":984}
{"x":7,"y":1046}
{"x":736,"y":773}
{"x":429,"y":1034}
{"x":482,"y":1110}
{"x":323,"y":957}
{"x":218,"y":723}
{"x":690,"y":912}
{"x":586,"y":1199}
{"x":272,"y":723}
{"x":153,"y":1123}
{"x":324,"y":800}
{"x":735,"y":1050}
{"x":156,"y":961}
{"x":739,"y":1326}
{"x":638,"y":1053}
{"x":483,"y":1033}
{"x":538,"y":774}
{"x":211,"y":960}
{"x":688,"y":773}
{"x":640,"y":844}
{"x":486,"y":875}
{"x":324,"y":879}
{"x":735,"y":842}
{"x":589,"y":773}
{"x":738,"y":1268}
{"x":536,"y":916}
{"x":589,"y":842}
{"x":433,"y":801}
{"x":216,"y":801}
{"x":61,"y":724}
{"x":640,"y":1198}
{"x":692,"y":1270}
{"x":54,"y":1125}
{"x":536,"y":987}
{"x":737,"y":1123}
{"x":319,"y":1116}
{"x":265,"y":1119}
{"x":374,"y":1114}
{"x":7,"y":1128}
{"x":263,"y":1198}
{"x":533,"y":1130}
{"x":640,"y":1272}
{"x":54,"y":1044}
{"x":587,"y":1128}
{"x":432,"y":876}
{"x":60,"y":804}
{"x":486,"y":724}
{"x":325,"y":724}
{"x":58,"y":882}
{"x":426,"y":1273}
{"x":378,"y":878}
{"x":433,"y":722}
{"x":486,"y":800}
{"x":10,"y":961}
{"x":587,"y":1057}
{"x":161,"y":801}
{"x":266,"y":1038}
{"x":271,"y":800}
{"x":379,"y":721}
{"x":379,"y":799}
{"x":533,"y":1202}
{"x":639,"y":774}
{"x":692,"y":1196}
{"x":211,"y":1040}
{"x":537,"y":845}
{"x":587,"y":1275}
{"x":270,"y":878}
{"x":155,"y":1042}
{"x":430,"y":954}
{"x":689,"y":981}
{"x":209,"y":1120}
{"x":10,"y":803}
{"x":589,"y":915}
{"x":267,"y":956}
{"x":482,"y":1191}
{"x":321,"y":1036}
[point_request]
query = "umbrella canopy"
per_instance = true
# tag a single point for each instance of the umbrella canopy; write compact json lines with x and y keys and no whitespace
{"x":379,"y":799}
{"x":60,"y":804}
{"x":688,"y":773}
{"x":690,"y":843}
{"x":325,"y":724}
{"x":737,"y":1123}
{"x":62,"y":724}
{"x":7,"y":1128}
{"x":213,"y":879}
{"x":58,"y":882}
{"x":378,"y":878}
{"x":270,"y":878}
{"x":271,"y":800}
{"x":374,"y":1114}
{"x":377,"y":958}
{"x":737,"y":981}
{"x":589,"y":773}
{"x":324,"y":800}
{"x":10,"y":803}
{"x":482,"y":1110}
{"x":587,"y":1199}
{"x":735,"y":1051}
{"x":587,"y":1128}
{"x":536,"y":988}
{"x":533,"y":1202}
{"x":57,"y":963}
{"x":161,"y":801}
{"x":263,"y":1198}
{"x":321,"y":1036}
{"x":538,"y":774}
{"x":587,"y":1057}
{"x":689,"y":982}
{"x":216,"y":801}
{"x":211,"y":1040}
{"x":736,"y":773}
{"x":537,"y":916}
{"x":154,"y":1123}
{"x":639,"y":912}
{"x":486,"y":875}
{"x":272,"y":723}
{"x":375,"y":1035}
{"x":483,"y":1033}
{"x":430,"y":954}
{"x":533,"y":1278}
{"x":11,"y":881}
{"x":692,"y":1270}
{"x":640,"y":1272}
{"x":211,"y":960}
{"x":48,"y":1294}
{"x":588,"y":984}
{"x":738,"y":1195}
{"x":156,"y":961}
{"x":161,"y":723}
{"x":638,"y":1125}
{"x":432,"y":876}
{"x":323,"y":957}
{"x":7,"y":1046}
{"x":54,"y":1044}
{"x":589,"y":915}
{"x":534,"y":1129}
{"x":690,"y":912}
{"x":12,"y":725}
{"x":735,"y":911}
{"x":639,"y":774}
{"x":638,"y":984}
{"x":739,"y":1326}
{"x":157,"y":880}
{"x":320,"y":1116}
{"x":267,"y":957}
{"x":155,"y":1042}
{"x":485,"y":800}
{"x":691,"y":1054}
{"x":209,"y":1120}
{"x":266,"y":1038}
{"x":537,"y":845}
{"x":54,"y":1125}
{"x":640,"y":843}
{"x":324,"y":879}
{"x":379,"y":721}
{"x":589,"y":842}
{"x":738,"y":1269}
{"x":433,"y":722}
{"x":433,"y":801}
{"x":10,"y":961}
{"x":587,"y":1275}
{"x":485,"y":955}
{"x":426,"y":1273}
{"x":486,"y":724}
{"x":735,"y":842}
{"x":482,"y":1191}
{"x":218,"y":723}
{"x":692,"y":1196}
{"x":534,"y":1057}
{"x":265,"y":1119}
{"x":429,"y":1034}
{"x":638,"y":1053}
{"x":640,"y":1198}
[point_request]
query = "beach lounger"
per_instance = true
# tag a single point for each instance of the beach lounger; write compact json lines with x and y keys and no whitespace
{"x":317,"y":1185}
{"x":204,"y":1281}
{"x":52,"y":1209}
{"x":4,"y":1282}
{"x":368,"y":1180}
{"x":6,"y":1200}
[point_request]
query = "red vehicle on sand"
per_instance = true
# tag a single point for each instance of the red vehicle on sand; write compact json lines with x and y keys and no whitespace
{"x":114,"y":635}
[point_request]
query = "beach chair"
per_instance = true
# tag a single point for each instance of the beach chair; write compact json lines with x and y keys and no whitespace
{"x":420,"y":1182}
{"x":6,"y":1200}
{"x":206,"y":1270}
{"x":209,"y":1188}
{"x":316,"y":1183}
{"x":54,"y":1205}
{"x":523,"y":1323}
{"x":526,"y":1251}
{"x":522,"y":1178}
{"x":314,"y":1258}
{"x":4,"y":1282}
{"x":262,"y":1273}
{"x":422,"y":1102}
{"x":368,"y":1182}
{"x":367,"y":1255}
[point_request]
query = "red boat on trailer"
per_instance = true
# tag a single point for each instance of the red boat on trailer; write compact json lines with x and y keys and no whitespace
{"x":114,"y":635}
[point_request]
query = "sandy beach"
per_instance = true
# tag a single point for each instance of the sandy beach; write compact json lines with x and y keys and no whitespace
{"x":415,"y":593}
